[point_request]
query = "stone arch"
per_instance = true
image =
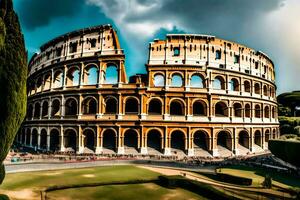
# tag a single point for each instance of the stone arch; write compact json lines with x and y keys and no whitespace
{"x":267,"y":135}
{"x":90,"y":139}
{"x":265,"y":89}
{"x":55,"y":107}
{"x":71,"y":106}
{"x":197,"y":81}
{"x":73,"y":76}
{"x":219,"y":83}
{"x":247,"y":110}
{"x":201,"y":140}
{"x":111,"y":105}
{"x":247,"y":86}
{"x":267,"y":112}
{"x":109,"y":139}
{"x":244,"y":139}
{"x":155,"y":139}
{"x":238,"y":110}
{"x":39,"y":84}
{"x":45,"y":108}
{"x":221,"y":109}
{"x":47,"y":81}
{"x":199,"y":108}
{"x":54,"y":139}
{"x":71,"y":139}
{"x":257,"y":88}
{"x":178,"y":138}
{"x":90,"y":105}
{"x":177,"y":79}
{"x":177,"y":107}
{"x":224,"y":139}
{"x":234,"y":85}
{"x":34,"y":139}
{"x":28,"y":137}
{"x":30,"y":111}
{"x":91,"y":73}
{"x":257,"y":111}
{"x":155,"y":106}
{"x":58,"y":78}
{"x":131,"y":139}
{"x":37,"y":110}
{"x":258,"y":138}
{"x":43,"y":140}
{"x":131,"y":105}
{"x":159,"y":79}
{"x":111,"y":74}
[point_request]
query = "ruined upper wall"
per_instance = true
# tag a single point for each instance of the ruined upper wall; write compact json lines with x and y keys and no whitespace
{"x":99,"y":40}
{"x":209,"y":51}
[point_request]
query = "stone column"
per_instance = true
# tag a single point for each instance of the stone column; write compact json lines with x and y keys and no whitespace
{"x":49,"y":108}
{"x":48,"y":139}
{"x":39,"y":138}
{"x":190,"y":143}
{"x":235,"y":142}
{"x":143,"y":149}
{"x":81,"y":74}
{"x":62,"y":139}
{"x":120,"y":149}
{"x":99,"y":141}
{"x":81,"y":137}
{"x":167,"y":149}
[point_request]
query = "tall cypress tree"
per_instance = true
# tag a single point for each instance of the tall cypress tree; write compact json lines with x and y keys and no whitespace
{"x":13,"y":74}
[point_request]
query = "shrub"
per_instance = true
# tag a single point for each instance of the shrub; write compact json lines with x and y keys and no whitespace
{"x":267,"y":182}
{"x":287,"y":150}
{"x":234,"y":179}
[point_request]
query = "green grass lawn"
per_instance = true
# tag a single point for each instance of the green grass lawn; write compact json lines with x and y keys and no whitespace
{"x":28,"y":185}
{"x":147,"y":191}
{"x":258,"y":174}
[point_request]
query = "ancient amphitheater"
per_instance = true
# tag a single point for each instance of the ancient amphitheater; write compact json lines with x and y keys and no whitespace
{"x":201,"y":96}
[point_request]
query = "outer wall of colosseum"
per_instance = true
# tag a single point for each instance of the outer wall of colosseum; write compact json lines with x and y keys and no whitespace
{"x":201,"y":96}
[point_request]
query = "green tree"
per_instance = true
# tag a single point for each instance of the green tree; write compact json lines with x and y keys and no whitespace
{"x":13,"y":74}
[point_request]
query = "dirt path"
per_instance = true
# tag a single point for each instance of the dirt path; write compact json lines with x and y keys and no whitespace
{"x":192,"y":176}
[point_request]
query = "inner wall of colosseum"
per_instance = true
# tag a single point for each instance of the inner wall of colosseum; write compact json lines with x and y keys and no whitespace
{"x":201,"y":96}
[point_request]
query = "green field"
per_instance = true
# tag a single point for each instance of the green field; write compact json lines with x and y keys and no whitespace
{"x":28,"y":185}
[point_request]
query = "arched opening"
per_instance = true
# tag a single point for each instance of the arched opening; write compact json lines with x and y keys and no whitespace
{"x":177,"y":81}
{"x":201,"y":140}
{"x":30,"y":112}
{"x":221,"y":110}
{"x":257,"y":111}
{"x":154,"y":140}
{"x":265,"y":90}
{"x":199,"y":108}
{"x":109,"y":140}
{"x":131,"y":140}
{"x":176,"y":108}
{"x":24,"y":137}
{"x":58,"y":79}
{"x":70,"y":107}
{"x":37,"y":110}
{"x":159,"y":80}
{"x":131,"y":106}
{"x":257,"y":88}
{"x":54,"y":140}
{"x":39,"y":84}
{"x":73,"y":77}
{"x":219,"y":83}
{"x":244,"y":139}
{"x":247,"y":110}
{"x":34,"y":140}
{"x":154,"y":107}
{"x":111,"y":74}
{"x":267,"y":136}
{"x":247,"y":86}
{"x":257,"y":138}
{"x":234,"y":85}
{"x":70,"y":140}
{"x":224,"y":140}
{"x":178,"y":140}
{"x":47,"y":81}
{"x":237,"y":107}
{"x":55,"y":107}
{"x":111,"y":106}
{"x":89,"y":141}
{"x":91,"y":75}
{"x":45,"y":109}
{"x":267,"y":112}
{"x":89,"y":106}
{"x":28,"y":137}
{"x":197,"y":81}
{"x":43,"y":142}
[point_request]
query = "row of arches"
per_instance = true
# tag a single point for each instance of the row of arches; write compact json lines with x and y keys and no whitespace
{"x":219,"y":83}
{"x":109,"y":140}
{"x":155,"y":106}
{"x":74,"y":76}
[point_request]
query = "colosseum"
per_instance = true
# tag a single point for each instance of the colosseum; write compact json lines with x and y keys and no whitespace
{"x":200,"y":96}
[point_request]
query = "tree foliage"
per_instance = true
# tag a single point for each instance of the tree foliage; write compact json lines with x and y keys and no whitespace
{"x":13,"y":74}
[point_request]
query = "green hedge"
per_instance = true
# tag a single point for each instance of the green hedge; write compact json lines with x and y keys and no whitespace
{"x":202,"y":189}
{"x":2,"y":173}
{"x":234,"y":179}
{"x":287,"y":150}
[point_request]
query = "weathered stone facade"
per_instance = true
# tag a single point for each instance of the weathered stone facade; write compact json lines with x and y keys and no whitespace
{"x":201,"y":96}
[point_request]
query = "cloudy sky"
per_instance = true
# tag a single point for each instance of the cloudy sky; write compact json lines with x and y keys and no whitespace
{"x":271,"y":26}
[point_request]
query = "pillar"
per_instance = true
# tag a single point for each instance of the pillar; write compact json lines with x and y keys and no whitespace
{"x":62,"y":142}
{"x":80,"y":140}
{"x":167,"y":149}
{"x":143,"y":139}
{"x":99,"y":141}
{"x":120,"y":149}
{"x":190,"y":143}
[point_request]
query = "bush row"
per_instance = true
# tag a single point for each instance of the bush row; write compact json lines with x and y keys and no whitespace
{"x":287,"y":150}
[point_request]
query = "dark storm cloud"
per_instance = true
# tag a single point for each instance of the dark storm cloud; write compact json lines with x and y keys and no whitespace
{"x":37,"y":13}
